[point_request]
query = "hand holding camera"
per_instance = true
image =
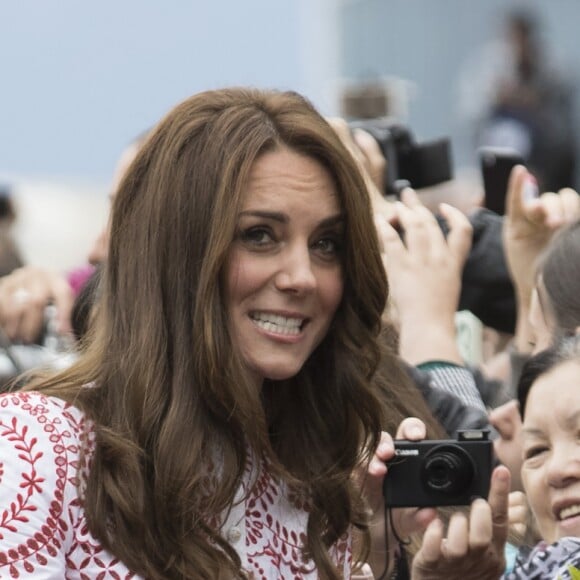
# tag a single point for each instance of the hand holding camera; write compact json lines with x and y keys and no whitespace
{"x":472,"y":548}
{"x":406,"y":521}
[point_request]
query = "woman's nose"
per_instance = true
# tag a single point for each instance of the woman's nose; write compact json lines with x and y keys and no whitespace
{"x":296,"y":273}
{"x":564,"y":466}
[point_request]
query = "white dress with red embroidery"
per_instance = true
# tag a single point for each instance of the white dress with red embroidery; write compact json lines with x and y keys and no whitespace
{"x":43,"y":528}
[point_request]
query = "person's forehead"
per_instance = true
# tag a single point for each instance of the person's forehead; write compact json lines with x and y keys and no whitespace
{"x":555,"y":396}
{"x":284,"y":168}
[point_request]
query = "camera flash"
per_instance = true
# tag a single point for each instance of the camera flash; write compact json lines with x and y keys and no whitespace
{"x":474,"y":435}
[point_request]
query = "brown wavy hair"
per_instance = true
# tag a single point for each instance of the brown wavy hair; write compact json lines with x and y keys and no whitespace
{"x":171,"y":390}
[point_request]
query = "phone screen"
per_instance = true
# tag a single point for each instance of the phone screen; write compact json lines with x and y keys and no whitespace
{"x":496,"y":166}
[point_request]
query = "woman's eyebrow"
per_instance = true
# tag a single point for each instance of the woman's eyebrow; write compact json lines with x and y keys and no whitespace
{"x":533,"y":432}
{"x":272,"y":215}
{"x":283,"y":218}
{"x":571,"y":422}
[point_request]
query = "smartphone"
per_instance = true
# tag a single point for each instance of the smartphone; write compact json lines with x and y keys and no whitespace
{"x":496,"y":166}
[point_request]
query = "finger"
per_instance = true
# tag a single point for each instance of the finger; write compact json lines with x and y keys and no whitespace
{"x":430,"y":551}
{"x":375,"y":161}
{"x":480,"y":525}
{"x":31,"y":322}
{"x":514,"y":198}
{"x":390,"y":241}
{"x":410,"y":198}
{"x":552,"y":209}
{"x":422,"y":234}
{"x":411,"y":520}
{"x":506,"y":419}
{"x":498,"y":501}
{"x":385,"y":449}
{"x":457,"y":542}
{"x":517,"y":515}
{"x":24,"y":314}
{"x":570,"y":201}
{"x":12,"y":322}
{"x":460,"y":231}
{"x":516,"y":499}
{"x":412,"y":429}
{"x":371,"y":480}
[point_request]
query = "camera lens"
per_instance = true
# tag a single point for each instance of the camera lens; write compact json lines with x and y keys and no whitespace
{"x":447,"y":469}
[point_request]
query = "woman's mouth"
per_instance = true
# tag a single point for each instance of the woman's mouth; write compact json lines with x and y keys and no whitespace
{"x":568,"y":512}
{"x":278,"y":324}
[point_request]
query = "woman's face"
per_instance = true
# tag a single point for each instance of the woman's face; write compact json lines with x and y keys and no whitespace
{"x":284,"y":276}
{"x":551,"y":451}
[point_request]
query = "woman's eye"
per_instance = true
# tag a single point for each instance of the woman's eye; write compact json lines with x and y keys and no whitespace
{"x":328,"y":247}
{"x":534,"y":452}
{"x":257,"y":236}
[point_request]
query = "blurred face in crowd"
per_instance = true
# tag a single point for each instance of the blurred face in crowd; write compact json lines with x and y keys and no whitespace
{"x":551,"y":451}
{"x":284,"y":275}
{"x":98,"y":252}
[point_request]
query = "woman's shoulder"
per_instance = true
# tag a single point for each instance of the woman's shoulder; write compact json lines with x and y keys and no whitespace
{"x":558,"y":560}
{"x":45,"y":449}
{"x":31,"y":412}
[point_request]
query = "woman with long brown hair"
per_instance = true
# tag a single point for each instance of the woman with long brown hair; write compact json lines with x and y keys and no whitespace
{"x":212,"y":426}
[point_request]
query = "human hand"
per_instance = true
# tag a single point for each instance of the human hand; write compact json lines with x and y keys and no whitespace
{"x":508,"y":423}
{"x":424,"y":273}
{"x":368,"y":156}
{"x":474,"y":547}
{"x":529,"y":224}
{"x":518,"y":512}
{"x":24,"y":295}
{"x":406,"y":521}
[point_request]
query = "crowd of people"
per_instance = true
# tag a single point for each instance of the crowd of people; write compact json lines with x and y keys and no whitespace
{"x":257,"y":327}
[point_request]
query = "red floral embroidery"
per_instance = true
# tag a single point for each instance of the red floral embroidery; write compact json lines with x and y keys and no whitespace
{"x":43,"y":528}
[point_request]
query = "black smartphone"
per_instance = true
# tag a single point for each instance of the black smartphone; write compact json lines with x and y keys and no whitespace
{"x":496,"y":166}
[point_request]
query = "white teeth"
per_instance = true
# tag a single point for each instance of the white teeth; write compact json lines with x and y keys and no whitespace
{"x":276,"y":323}
{"x":570,"y":511}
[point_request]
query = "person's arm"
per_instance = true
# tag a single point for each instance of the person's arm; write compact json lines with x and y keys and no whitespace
{"x":454,"y":412}
{"x":529,"y":224}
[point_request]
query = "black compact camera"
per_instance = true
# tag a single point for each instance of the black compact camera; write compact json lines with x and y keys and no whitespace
{"x":409,"y":163}
{"x":439,"y":473}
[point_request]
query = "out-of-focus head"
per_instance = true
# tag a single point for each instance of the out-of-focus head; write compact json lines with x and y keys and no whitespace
{"x":549,"y":393}
{"x":177,"y":211}
{"x":522,"y":32}
{"x":98,"y":252}
{"x":555,"y":309}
